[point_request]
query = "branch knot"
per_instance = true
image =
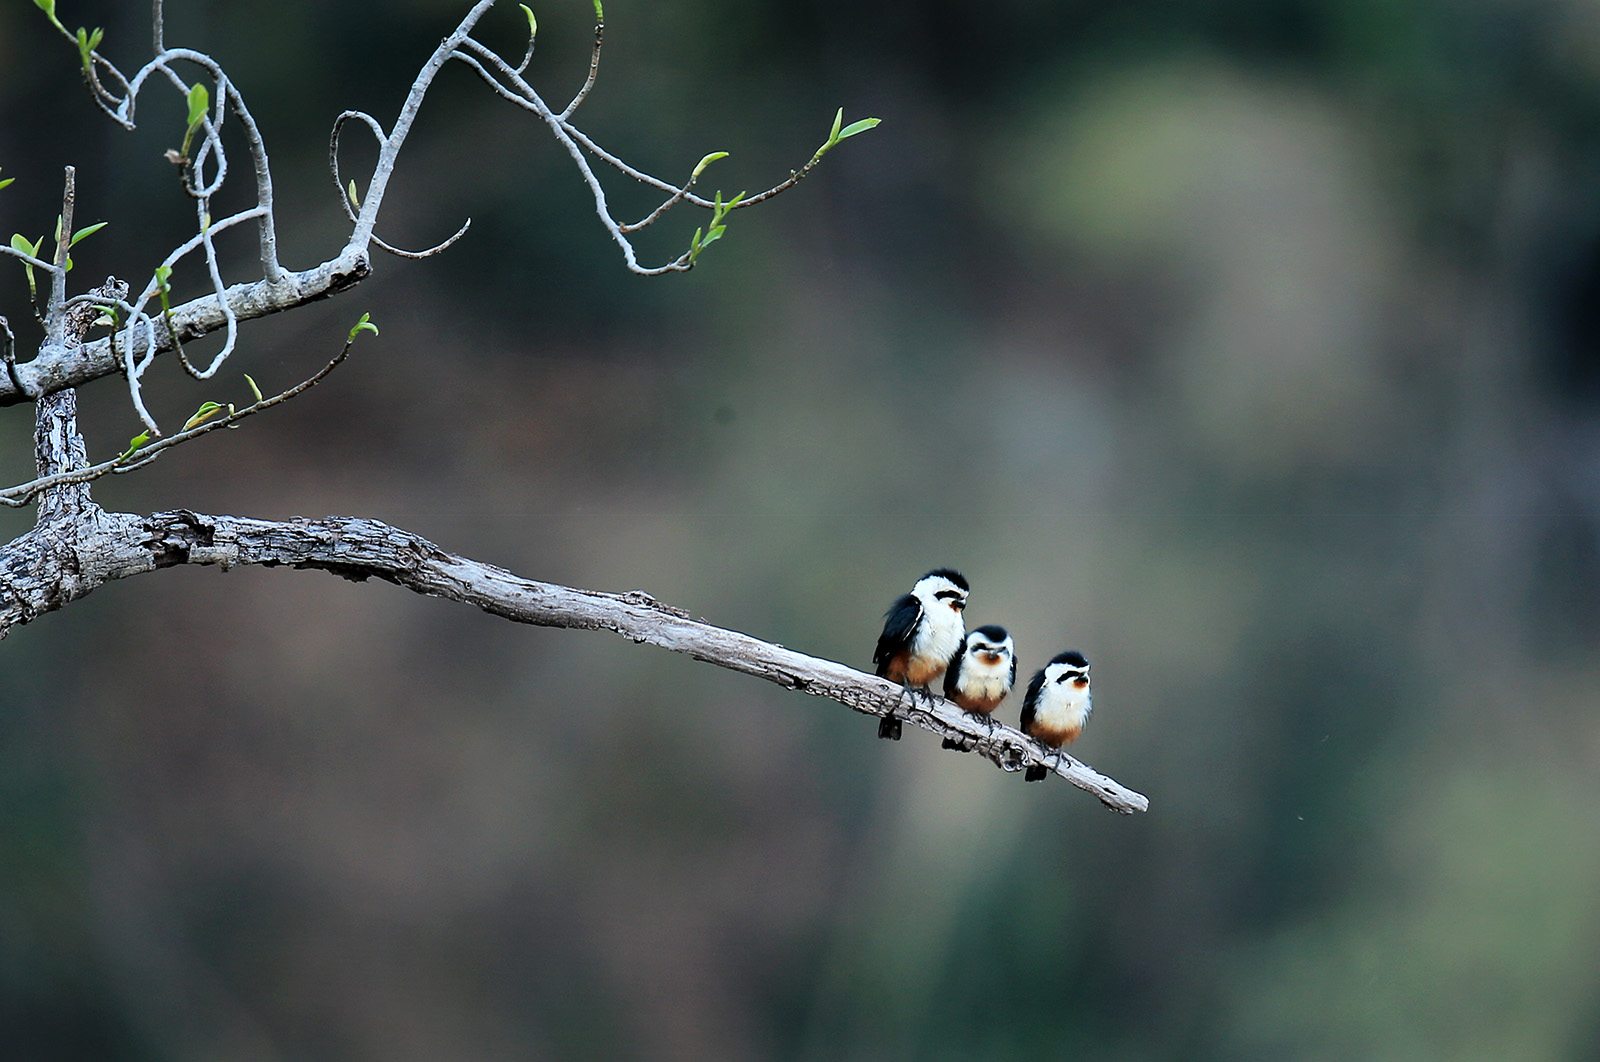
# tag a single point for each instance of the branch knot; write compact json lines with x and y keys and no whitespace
{"x":174,"y":536}
{"x":639,"y":597}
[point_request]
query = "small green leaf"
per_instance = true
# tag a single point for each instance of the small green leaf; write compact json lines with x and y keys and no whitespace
{"x":206,"y":411}
{"x":533,"y":23}
{"x":599,"y":12}
{"x":833,"y":135}
{"x":7,"y":181}
{"x":87,"y":43}
{"x":720,"y":209}
{"x":162,"y":273}
{"x":199,"y":103}
{"x":355,"y":200}
{"x":858,"y":127}
{"x":699,"y":166}
{"x":49,"y":8}
{"x":20,"y":242}
{"x":253,"y":388}
{"x":91,"y":230}
{"x":363,"y":325}
{"x":134,"y":444}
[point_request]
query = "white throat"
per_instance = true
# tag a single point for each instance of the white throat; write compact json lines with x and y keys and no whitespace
{"x":1063,"y":706}
{"x":979,"y":679}
{"x":942,"y":629}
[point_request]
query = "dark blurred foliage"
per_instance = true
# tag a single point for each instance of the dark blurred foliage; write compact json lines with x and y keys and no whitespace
{"x":1250,"y":346}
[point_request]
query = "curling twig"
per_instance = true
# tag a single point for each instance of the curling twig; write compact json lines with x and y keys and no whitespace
{"x":138,"y":454}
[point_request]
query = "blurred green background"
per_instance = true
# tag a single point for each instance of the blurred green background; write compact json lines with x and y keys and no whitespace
{"x":1250,"y":346}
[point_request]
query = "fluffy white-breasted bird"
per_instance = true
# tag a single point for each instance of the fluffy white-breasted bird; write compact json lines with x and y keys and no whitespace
{"x":922,"y":631}
{"x":1057,"y":704}
{"x":982,"y":673}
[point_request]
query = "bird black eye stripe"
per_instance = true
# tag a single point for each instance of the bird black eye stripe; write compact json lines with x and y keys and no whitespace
{"x":952,"y":594}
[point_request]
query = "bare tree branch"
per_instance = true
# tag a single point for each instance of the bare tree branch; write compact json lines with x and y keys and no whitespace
{"x":139,"y":455}
{"x":594,"y":64}
{"x":59,"y":450}
{"x":51,"y":566}
{"x":76,"y":546}
{"x":55,"y":310}
{"x":278,"y":289}
{"x":55,"y":368}
{"x":8,"y":352}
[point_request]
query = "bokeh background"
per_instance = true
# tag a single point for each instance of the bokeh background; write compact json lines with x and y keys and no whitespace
{"x":1251,"y":346}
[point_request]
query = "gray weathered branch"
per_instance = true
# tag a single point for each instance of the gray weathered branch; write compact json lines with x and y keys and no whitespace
{"x":58,"y":447}
{"x":60,"y":562}
{"x":57,"y":367}
{"x":76,"y":546}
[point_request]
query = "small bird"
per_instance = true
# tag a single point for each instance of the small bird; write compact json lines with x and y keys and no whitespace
{"x":1057,"y":704}
{"x":922,"y":631}
{"x":982,"y":673}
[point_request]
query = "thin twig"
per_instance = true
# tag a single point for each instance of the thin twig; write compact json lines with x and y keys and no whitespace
{"x":344,"y":193}
{"x":594,"y":68}
{"x":527,"y":56}
{"x":333,"y":154}
{"x":8,"y":351}
{"x":532,"y":102}
{"x":437,"y":248}
{"x":225,"y":306}
{"x":135,"y":458}
{"x":55,"y":310}
{"x":670,"y":202}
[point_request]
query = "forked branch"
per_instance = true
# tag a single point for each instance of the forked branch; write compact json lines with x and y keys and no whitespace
{"x":209,"y":418}
{"x":203,"y":167}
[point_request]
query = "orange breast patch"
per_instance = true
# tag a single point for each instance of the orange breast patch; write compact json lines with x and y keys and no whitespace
{"x":1055,"y":737}
{"x":977,"y":705}
{"x":920,"y":671}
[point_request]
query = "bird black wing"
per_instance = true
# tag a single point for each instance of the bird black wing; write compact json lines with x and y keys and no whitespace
{"x":899,"y":624}
{"x":1035,"y":685}
{"x":1011,"y":680}
{"x":952,"y":674}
